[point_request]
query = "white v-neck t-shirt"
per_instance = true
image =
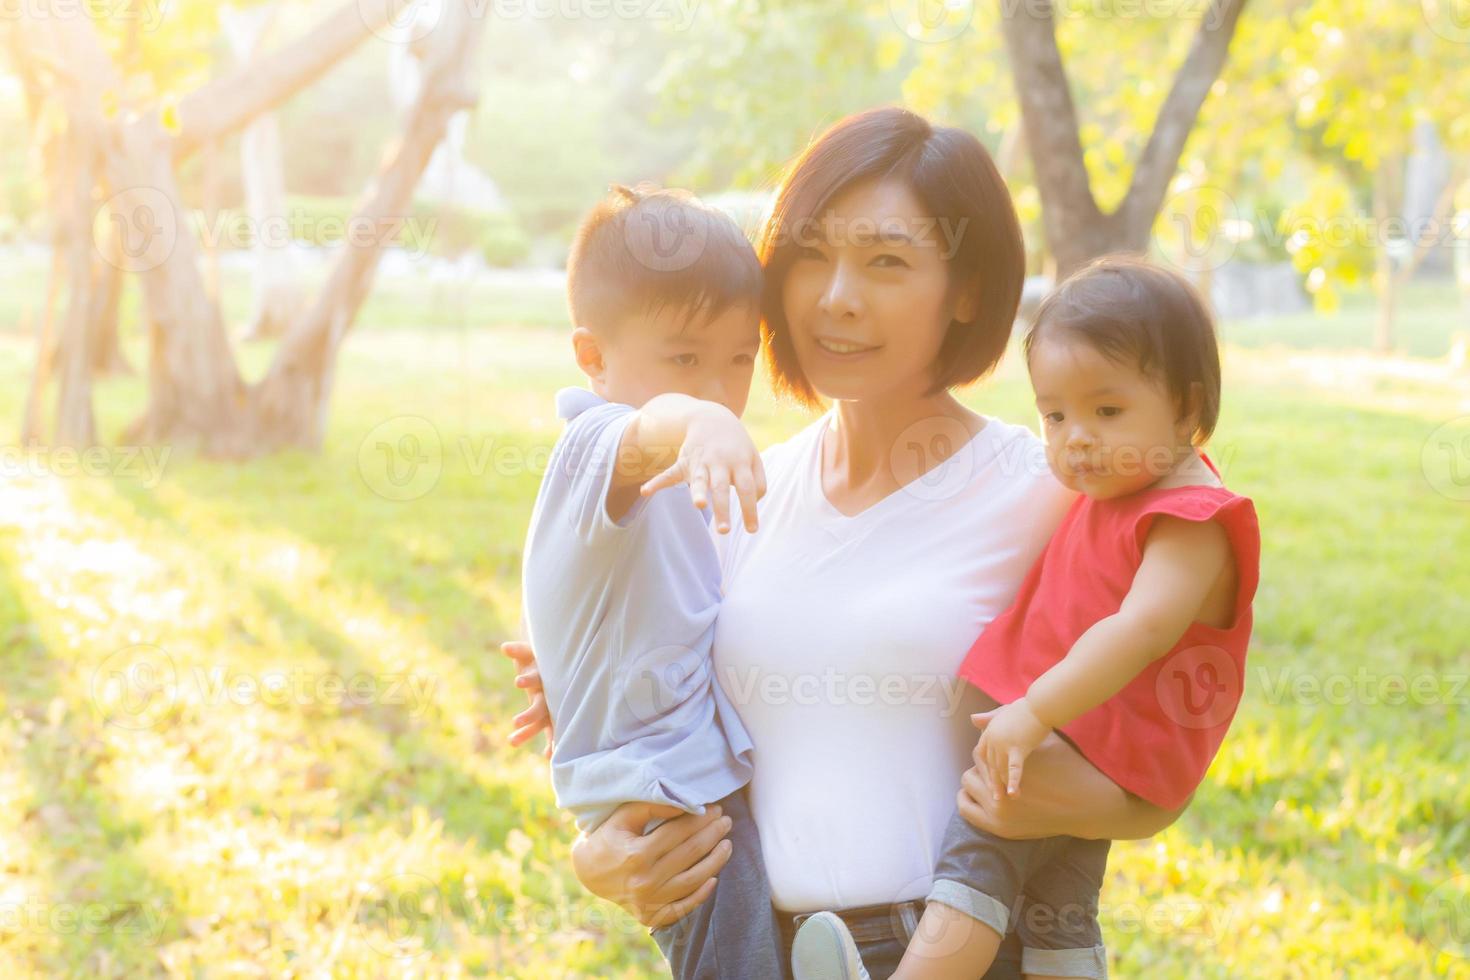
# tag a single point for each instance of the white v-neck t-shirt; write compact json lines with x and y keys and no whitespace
{"x":838,"y":641}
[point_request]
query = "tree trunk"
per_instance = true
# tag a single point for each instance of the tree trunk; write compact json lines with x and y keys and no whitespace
{"x":195,"y":392}
{"x":75,"y":425}
{"x":197,"y":397}
{"x":227,"y":105}
{"x":32,"y":429}
{"x":107,"y":284}
{"x":103,"y":308}
{"x":72,"y":158}
{"x":277,"y":296}
{"x":209,"y":209}
{"x":263,"y":171}
{"x":1385,"y":277}
{"x":293,"y":397}
{"x":1076,"y":229}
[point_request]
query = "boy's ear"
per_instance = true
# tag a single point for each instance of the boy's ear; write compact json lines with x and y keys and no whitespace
{"x":588,"y":351}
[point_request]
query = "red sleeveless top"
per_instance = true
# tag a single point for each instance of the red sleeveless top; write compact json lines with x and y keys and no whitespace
{"x":1157,"y":736}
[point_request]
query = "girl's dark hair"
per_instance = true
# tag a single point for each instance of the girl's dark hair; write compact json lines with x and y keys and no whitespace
{"x":956,"y":181}
{"x":1132,"y":311}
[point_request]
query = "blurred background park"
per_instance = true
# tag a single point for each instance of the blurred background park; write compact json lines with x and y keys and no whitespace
{"x":281,"y":320}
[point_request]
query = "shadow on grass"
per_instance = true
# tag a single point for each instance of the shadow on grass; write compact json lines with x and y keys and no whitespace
{"x":471,"y":805}
{"x":105,"y":908}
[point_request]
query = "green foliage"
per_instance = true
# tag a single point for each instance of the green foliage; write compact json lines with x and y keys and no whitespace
{"x":501,"y":241}
{"x":569,"y":114}
{"x":161,"y":51}
{"x":1330,"y":240}
{"x":752,"y":83}
{"x":1366,"y":75}
{"x":1315,"y":94}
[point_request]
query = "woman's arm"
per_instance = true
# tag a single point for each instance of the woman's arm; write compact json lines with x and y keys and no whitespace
{"x":660,"y":876}
{"x":1063,"y":794}
{"x":537,"y":716}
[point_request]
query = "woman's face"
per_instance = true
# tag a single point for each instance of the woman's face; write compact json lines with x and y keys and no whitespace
{"x":867,"y":298}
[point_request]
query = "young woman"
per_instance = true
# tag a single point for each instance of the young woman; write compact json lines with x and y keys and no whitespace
{"x":895,"y":527}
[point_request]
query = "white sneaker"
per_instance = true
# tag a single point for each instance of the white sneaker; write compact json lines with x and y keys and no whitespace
{"x":824,"y":950}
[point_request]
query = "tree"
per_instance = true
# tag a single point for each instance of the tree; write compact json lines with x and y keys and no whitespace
{"x":262,"y":170}
{"x":997,"y":69}
{"x":1353,"y":110}
{"x":196,"y":395}
{"x":1076,"y":228}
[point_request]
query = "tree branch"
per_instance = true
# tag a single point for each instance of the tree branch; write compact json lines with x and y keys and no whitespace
{"x":228,"y":104}
{"x":1443,"y":213}
{"x":292,"y":397}
{"x":1160,"y":157}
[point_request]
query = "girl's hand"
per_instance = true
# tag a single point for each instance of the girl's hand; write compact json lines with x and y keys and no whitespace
{"x":1009,"y":734}
{"x":717,"y":453}
{"x":658,"y":877}
{"x":1065,"y":794}
{"x":537,"y":717}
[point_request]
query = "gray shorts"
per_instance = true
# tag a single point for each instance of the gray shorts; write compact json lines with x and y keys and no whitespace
{"x":1045,"y":889}
{"x":733,"y":933}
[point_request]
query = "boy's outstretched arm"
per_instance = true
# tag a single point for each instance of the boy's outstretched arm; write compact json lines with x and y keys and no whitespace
{"x":675,"y":438}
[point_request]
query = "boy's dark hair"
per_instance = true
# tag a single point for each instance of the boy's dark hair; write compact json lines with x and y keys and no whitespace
{"x":953,"y":176}
{"x":1132,"y":311}
{"x":642,"y":249}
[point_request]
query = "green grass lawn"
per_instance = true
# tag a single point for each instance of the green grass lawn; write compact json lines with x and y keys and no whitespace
{"x":317,"y":783}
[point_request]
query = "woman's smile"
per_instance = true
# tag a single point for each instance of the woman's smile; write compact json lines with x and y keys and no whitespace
{"x":843,"y":350}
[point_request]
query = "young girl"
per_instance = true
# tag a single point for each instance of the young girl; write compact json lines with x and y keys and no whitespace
{"x":1128,"y":637}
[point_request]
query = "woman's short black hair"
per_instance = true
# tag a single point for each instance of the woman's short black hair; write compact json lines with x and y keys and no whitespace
{"x":1135,"y":312}
{"x":954,"y":178}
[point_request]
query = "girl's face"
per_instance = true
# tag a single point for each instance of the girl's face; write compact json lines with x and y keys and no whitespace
{"x":867,"y":297}
{"x":1110,"y":429}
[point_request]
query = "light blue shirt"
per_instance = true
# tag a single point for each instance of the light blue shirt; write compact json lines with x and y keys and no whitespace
{"x":622,"y":616}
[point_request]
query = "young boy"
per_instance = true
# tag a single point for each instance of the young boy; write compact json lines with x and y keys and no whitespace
{"x":621,"y":581}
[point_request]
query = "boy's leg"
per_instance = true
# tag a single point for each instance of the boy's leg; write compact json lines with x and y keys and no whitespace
{"x":977,"y":884}
{"x":733,"y":935}
{"x":1058,"y":921}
